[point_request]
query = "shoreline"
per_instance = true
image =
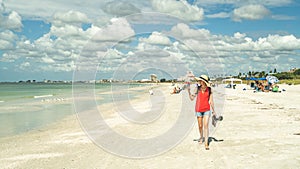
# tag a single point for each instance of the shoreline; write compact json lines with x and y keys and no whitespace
{"x":43,"y":104}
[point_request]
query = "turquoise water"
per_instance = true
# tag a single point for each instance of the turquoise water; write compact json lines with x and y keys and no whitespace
{"x":25,"y":107}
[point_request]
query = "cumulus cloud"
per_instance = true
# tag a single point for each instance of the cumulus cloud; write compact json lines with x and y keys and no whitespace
{"x":82,"y":48}
{"x":70,"y":17}
{"x":118,"y":30}
{"x":120,"y":8}
{"x":245,"y":2}
{"x":46,"y":9}
{"x":66,"y":31}
{"x":24,"y":66}
{"x":157,"y":38}
{"x":67,"y":43}
{"x":250,"y":12}
{"x":11,"y":21}
{"x":238,"y":49}
{"x":7,"y":39}
{"x":180,"y":9}
{"x":53,"y":54}
{"x":288,"y":42}
{"x":239,"y":35}
{"x":183,"y":31}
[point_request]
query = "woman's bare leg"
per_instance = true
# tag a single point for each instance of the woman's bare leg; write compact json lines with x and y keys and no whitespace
{"x":200,"y":126}
{"x":206,"y":131}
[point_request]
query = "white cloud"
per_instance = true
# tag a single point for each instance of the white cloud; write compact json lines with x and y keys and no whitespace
{"x":120,"y":8}
{"x":66,"y":31}
{"x":234,"y":50}
{"x":56,"y":54}
{"x":5,"y":44}
{"x":59,"y":49}
{"x":239,"y":35}
{"x":11,"y":21}
{"x":74,"y":43}
{"x":245,"y":2}
{"x":24,"y":66}
{"x":219,"y":15}
{"x":183,"y":31}
{"x":157,"y":38}
{"x":46,"y":9}
{"x":70,"y":17}
{"x":7,"y":39}
{"x":180,"y":9}
{"x":118,"y":30}
{"x":47,"y":60}
{"x":288,"y":42}
{"x":283,"y":17}
{"x":250,"y":12}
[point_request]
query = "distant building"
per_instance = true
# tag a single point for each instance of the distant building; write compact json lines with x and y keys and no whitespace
{"x":189,"y":76}
{"x":153,"y":78}
{"x":145,"y":80}
{"x":292,"y":70}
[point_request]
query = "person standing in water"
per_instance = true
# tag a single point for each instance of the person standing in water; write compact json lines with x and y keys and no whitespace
{"x":203,"y":107}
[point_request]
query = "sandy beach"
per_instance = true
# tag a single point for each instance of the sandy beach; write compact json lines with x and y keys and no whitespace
{"x":259,"y":130}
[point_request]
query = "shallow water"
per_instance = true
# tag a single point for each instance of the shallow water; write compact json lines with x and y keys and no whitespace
{"x":25,"y":107}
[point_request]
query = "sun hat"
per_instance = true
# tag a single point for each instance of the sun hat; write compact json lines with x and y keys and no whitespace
{"x":203,"y":78}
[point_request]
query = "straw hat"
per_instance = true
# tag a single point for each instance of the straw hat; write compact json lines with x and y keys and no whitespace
{"x":203,"y":78}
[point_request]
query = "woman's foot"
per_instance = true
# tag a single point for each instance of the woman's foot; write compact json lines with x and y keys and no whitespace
{"x":201,"y":140}
{"x":206,"y":146}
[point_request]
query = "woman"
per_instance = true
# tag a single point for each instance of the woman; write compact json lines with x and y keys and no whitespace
{"x":204,"y":104}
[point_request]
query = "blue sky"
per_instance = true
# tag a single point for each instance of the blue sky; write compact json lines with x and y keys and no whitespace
{"x":102,"y":39}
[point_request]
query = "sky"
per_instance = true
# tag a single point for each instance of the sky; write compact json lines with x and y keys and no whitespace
{"x":131,"y":39}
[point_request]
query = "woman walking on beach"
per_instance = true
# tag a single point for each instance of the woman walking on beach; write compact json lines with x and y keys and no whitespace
{"x":204,"y":104}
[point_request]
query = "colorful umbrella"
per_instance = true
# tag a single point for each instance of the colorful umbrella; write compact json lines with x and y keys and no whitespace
{"x":272,"y":79}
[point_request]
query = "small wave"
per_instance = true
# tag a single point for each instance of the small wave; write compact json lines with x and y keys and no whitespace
{"x":42,"y":96}
{"x":54,"y":100}
{"x":1,"y":101}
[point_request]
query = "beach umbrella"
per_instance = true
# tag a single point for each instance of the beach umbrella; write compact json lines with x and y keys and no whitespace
{"x":272,"y":79}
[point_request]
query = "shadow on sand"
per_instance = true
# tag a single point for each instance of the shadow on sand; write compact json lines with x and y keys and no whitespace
{"x":210,"y":139}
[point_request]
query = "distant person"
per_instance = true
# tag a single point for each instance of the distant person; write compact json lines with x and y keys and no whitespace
{"x":275,"y":88}
{"x":176,"y":89}
{"x":204,"y":104}
{"x":151,"y":92}
{"x":259,"y":86}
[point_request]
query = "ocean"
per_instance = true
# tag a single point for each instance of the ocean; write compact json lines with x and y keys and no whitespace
{"x":29,"y":106}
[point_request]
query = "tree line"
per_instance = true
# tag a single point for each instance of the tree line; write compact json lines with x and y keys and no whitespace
{"x":295,"y":74}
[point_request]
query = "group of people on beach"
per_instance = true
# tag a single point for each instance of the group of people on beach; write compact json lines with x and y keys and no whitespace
{"x":260,"y":87}
{"x":176,"y":89}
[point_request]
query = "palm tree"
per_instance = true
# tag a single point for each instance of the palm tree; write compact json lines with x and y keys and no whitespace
{"x":249,"y":73}
{"x":262,"y":74}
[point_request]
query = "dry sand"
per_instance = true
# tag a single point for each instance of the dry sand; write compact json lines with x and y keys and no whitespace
{"x":259,"y":130}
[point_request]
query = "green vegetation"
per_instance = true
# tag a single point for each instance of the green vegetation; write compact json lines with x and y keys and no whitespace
{"x":290,"y":77}
{"x":290,"y":81}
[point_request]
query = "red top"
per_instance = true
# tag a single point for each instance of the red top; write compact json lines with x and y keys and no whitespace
{"x":202,"y":104}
